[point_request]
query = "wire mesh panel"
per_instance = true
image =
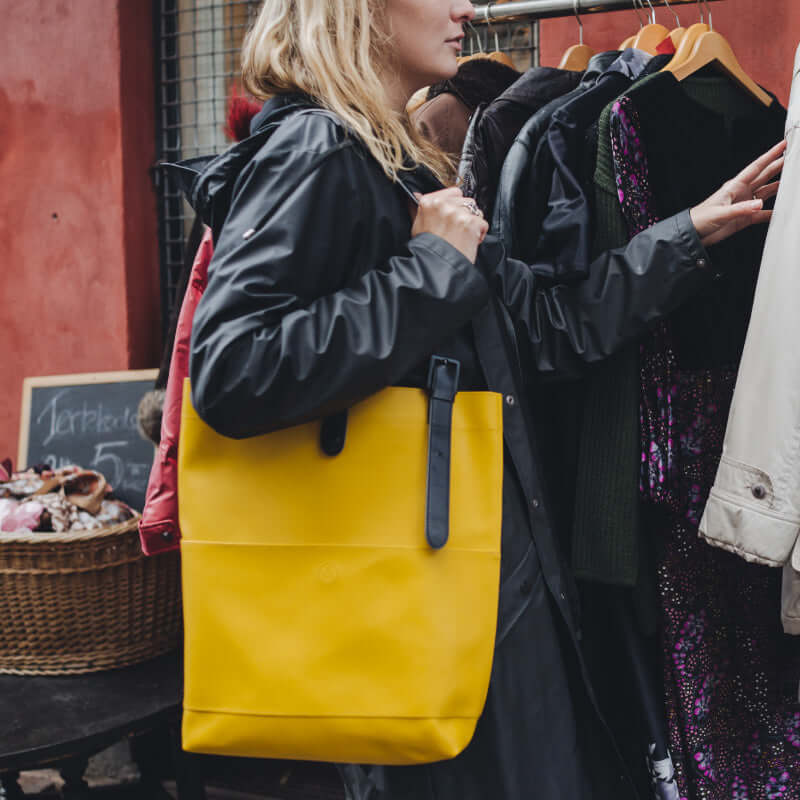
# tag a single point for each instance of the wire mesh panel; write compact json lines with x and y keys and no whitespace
{"x":199,"y":43}
{"x":519,"y":39}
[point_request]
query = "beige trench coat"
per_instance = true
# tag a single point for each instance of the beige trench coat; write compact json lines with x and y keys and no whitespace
{"x":754,"y":506}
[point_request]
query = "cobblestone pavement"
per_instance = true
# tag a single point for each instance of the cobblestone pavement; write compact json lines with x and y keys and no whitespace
{"x":113,"y":775}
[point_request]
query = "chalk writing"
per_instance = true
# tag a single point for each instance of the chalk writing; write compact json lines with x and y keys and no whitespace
{"x":93,"y":425}
{"x":65,"y":421}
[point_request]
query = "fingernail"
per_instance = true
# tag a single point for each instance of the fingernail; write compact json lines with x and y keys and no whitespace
{"x":756,"y":204}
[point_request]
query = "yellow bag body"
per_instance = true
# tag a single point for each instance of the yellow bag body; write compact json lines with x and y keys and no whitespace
{"x":319,"y":624}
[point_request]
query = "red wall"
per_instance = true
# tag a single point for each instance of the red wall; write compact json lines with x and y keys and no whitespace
{"x":79,"y":279}
{"x":763,"y":33}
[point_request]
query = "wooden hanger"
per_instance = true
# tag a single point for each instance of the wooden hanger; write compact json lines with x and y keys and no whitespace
{"x":702,"y":45}
{"x":576,"y":58}
{"x":686,"y":46}
{"x":676,"y":34}
{"x":417,"y":99}
{"x":502,"y":58}
{"x":650,"y":37}
{"x":474,"y":57}
{"x":676,"y":37}
{"x":712,"y":48}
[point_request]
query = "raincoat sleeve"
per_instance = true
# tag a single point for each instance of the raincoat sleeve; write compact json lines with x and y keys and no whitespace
{"x":627,"y":290}
{"x":288,"y":330}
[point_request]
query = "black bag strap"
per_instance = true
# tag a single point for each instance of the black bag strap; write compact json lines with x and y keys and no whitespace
{"x":443,"y":376}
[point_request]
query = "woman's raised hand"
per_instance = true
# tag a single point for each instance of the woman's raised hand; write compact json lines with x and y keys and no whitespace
{"x":740,"y":201}
{"x":454,"y":218}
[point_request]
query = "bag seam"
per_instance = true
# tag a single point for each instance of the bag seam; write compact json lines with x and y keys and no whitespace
{"x":270,"y":715}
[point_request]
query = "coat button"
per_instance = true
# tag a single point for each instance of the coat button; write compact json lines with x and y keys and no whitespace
{"x":166,"y":536}
{"x":759,"y":492}
{"x":535,"y":503}
{"x":510,"y":400}
{"x":701,"y":263}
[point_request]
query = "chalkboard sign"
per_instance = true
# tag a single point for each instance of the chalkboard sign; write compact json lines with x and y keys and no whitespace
{"x":89,"y":420}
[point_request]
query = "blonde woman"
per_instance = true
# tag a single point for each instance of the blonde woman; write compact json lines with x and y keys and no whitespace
{"x":328,"y":283}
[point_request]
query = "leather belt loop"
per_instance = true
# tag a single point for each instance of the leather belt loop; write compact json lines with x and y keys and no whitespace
{"x":443,"y":376}
{"x":333,"y":433}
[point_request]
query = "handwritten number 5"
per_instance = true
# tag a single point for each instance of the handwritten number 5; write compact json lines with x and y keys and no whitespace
{"x":116,"y":465}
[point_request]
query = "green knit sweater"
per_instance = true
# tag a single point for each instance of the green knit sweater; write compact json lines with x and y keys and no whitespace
{"x":606,"y":544}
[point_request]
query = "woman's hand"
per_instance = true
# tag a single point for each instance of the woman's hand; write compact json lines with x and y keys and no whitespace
{"x":739,"y":202}
{"x":451,"y":216}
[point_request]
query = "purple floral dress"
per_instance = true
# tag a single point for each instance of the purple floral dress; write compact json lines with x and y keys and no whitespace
{"x":730,"y":674}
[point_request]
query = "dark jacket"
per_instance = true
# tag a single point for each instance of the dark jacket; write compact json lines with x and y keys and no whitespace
{"x":317,"y":297}
{"x":494,"y":127}
{"x":508,"y":219}
{"x":544,"y":215}
{"x":546,"y":219}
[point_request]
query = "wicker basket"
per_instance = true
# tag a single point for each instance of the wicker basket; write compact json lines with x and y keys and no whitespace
{"x":84,"y":601}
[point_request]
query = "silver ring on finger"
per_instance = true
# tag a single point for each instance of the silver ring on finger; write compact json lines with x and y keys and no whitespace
{"x":472,"y":207}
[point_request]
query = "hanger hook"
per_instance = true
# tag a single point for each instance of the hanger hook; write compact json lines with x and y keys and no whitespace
{"x":578,"y":17}
{"x":708,"y":11}
{"x":477,"y":37}
{"x":636,"y":11}
{"x":674,"y":13}
{"x":489,"y":28}
{"x":700,"y":10}
{"x":652,"y":12}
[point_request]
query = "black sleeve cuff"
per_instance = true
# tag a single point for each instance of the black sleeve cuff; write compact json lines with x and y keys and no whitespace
{"x":690,"y":241}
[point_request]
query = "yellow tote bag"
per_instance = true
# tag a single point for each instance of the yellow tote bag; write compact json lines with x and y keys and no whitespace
{"x":320,"y":623}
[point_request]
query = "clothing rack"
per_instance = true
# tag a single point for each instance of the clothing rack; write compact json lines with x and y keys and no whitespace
{"x":541,"y":9}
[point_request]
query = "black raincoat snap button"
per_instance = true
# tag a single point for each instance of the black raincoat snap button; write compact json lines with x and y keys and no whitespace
{"x":759,"y":492}
{"x":510,"y":400}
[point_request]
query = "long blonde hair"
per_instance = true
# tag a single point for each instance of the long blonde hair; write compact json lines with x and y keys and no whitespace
{"x":329,"y":50}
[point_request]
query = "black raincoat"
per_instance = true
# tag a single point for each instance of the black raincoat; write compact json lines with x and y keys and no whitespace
{"x":318,"y":296}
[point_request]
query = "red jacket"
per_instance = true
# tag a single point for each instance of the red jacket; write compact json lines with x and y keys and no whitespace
{"x":158,"y":528}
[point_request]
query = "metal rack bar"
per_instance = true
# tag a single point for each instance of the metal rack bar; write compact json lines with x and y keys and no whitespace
{"x":541,"y":9}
